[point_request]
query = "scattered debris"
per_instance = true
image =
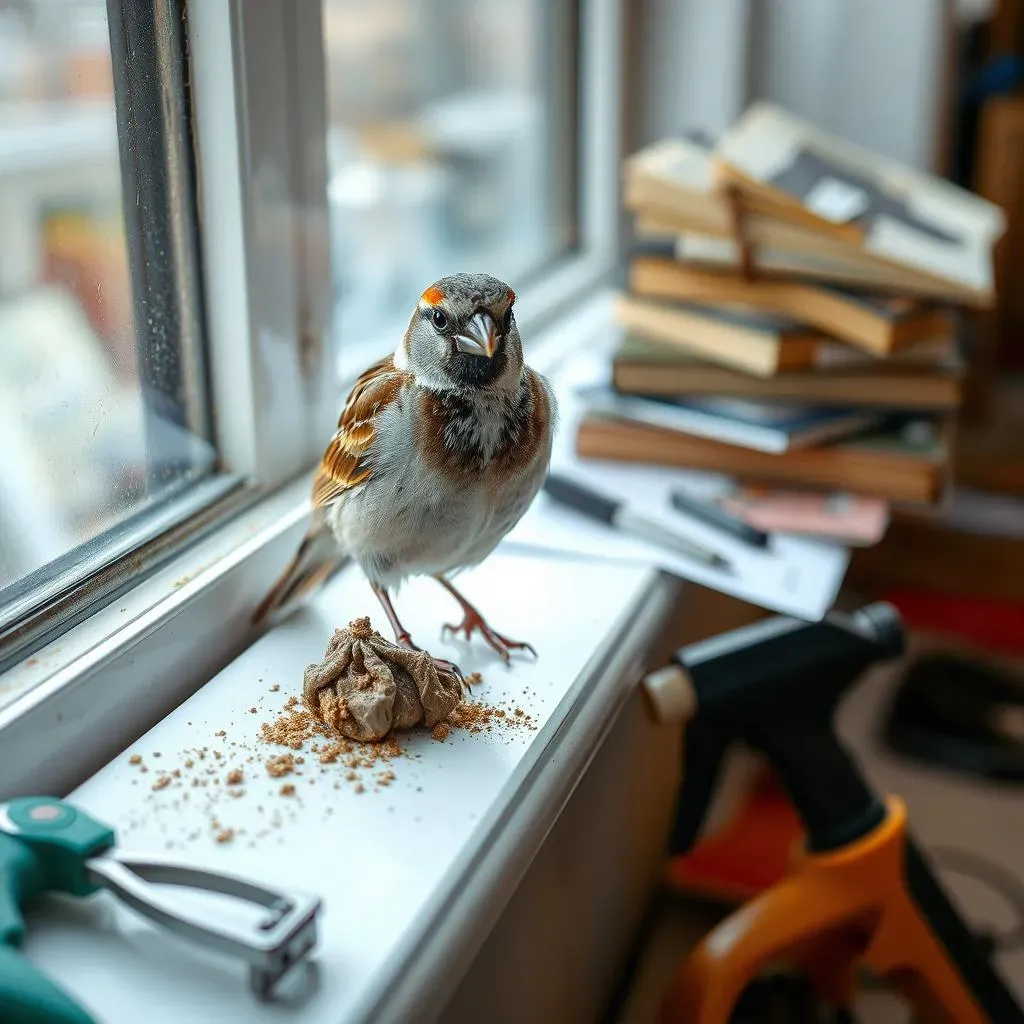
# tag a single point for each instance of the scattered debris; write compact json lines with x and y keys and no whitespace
{"x":311,"y":748}
{"x":280,"y":764}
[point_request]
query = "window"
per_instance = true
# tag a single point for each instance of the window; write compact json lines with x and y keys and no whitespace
{"x":103,"y":408}
{"x":208,"y":233}
{"x":452,"y":145}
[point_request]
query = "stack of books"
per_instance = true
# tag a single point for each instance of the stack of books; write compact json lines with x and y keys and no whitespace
{"x":792,"y":314}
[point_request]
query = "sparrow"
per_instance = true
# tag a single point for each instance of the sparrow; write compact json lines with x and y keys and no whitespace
{"x":440,"y":449}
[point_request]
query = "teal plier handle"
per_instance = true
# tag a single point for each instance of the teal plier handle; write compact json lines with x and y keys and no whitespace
{"x":44,"y":847}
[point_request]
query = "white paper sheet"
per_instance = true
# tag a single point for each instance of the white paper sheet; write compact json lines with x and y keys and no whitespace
{"x":794,"y":575}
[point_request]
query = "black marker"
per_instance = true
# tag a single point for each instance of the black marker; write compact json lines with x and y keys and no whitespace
{"x":620,"y":516}
{"x":714,"y":515}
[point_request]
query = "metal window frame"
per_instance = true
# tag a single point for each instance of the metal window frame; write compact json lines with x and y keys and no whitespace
{"x":159,"y":207}
{"x":260,"y":144}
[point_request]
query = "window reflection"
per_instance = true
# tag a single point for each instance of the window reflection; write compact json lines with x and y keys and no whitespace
{"x":76,"y":456}
{"x":451,"y":135}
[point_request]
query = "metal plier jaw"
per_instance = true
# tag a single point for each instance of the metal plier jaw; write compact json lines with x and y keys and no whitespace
{"x":283,"y":937}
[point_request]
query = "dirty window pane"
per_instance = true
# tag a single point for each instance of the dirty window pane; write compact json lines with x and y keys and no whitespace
{"x":452,"y":132}
{"x":85,"y":445}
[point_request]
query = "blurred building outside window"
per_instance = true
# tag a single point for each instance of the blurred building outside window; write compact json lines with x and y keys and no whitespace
{"x":76,"y":457}
{"x":451,"y":142}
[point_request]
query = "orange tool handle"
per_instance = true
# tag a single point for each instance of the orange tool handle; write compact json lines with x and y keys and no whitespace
{"x":873,"y":904}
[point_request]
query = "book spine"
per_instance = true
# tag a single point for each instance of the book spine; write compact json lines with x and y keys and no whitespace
{"x":838,"y":470}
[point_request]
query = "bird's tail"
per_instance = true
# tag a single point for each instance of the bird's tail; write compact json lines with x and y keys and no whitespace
{"x":317,"y":558}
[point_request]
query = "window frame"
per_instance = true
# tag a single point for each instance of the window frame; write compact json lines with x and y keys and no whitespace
{"x":262,"y":158}
{"x":260,"y":144}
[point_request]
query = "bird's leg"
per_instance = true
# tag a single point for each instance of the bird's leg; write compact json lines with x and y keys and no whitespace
{"x":473,"y":620}
{"x":402,"y":637}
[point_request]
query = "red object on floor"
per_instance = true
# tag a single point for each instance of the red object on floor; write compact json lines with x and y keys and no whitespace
{"x":749,"y":854}
{"x":995,"y":625}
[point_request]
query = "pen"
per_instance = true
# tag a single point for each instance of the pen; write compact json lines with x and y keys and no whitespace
{"x":620,"y":516}
{"x":715,"y":515}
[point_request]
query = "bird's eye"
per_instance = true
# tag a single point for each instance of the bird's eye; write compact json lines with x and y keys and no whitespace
{"x":506,"y":321}
{"x":438,"y":319}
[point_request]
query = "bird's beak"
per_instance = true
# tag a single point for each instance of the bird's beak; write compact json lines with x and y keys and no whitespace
{"x":480,"y":336}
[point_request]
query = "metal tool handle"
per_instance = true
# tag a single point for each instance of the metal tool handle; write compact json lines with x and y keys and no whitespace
{"x":280,"y":941}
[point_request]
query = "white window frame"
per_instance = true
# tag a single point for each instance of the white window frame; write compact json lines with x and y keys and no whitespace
{"x":262,"y":166}
{"x":262,"y":170}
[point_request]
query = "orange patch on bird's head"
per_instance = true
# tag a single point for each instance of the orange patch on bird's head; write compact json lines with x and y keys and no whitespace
{"x":510,"y":297}
{"x":433,"y":296}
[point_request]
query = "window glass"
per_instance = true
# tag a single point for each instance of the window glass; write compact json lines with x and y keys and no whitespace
{"x":85,"y":444}
{"x":452,"y":133}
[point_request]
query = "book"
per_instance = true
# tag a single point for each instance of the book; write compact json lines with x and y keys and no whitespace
{"x":925,"y":376}
{"x":902,"y":460}
{"x":878,"y":324}
{"x":675,"y":188}
{"x":841,"y":266}
{"x":676,"y":181}
{"x":849,"y":519}
{"x":765,"y":426}
{"x":677,"y":173}
{"x":788,"y":169}
{"x":754,"y":342}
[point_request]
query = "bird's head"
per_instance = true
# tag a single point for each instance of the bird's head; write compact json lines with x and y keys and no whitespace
{"x":463,"y":335}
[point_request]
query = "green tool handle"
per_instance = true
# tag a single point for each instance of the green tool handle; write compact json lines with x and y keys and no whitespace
{"x":45,"y":845}
{"x":21,"y":877}
{"x":27,"y":997}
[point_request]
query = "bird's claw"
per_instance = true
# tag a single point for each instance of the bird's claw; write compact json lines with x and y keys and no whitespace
{"x":472,"y":622}
{"x":451,"y":668}
{"x":440,"y":664}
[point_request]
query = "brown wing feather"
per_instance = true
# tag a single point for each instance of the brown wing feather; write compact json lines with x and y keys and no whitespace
{"x":343,"y":465}
{"x":317,"y":558}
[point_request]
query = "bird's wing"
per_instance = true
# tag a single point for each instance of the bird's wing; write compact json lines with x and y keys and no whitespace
{"x":317,"y":559}
{"x":344,"y":465}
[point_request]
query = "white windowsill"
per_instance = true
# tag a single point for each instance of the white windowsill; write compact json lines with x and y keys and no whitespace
{"x":412,"y":874}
